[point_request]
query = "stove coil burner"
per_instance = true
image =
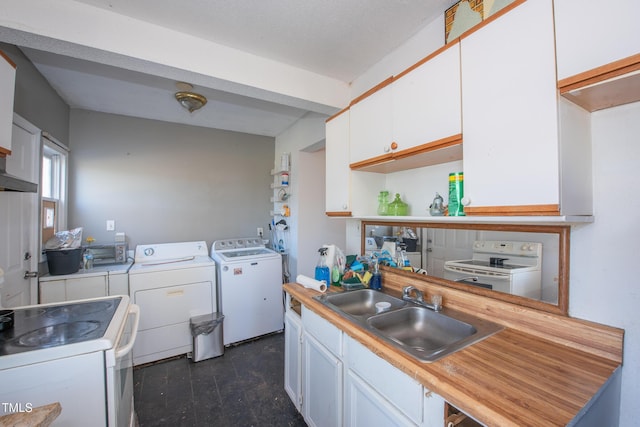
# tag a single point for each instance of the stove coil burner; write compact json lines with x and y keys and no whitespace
{"x":78,"y":309}
{"x":59,"y":334}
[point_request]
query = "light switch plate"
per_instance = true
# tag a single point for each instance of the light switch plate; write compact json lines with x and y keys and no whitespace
{"x":111,"y":225}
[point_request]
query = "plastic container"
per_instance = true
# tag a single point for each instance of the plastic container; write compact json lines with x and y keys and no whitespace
{"x":206,"y":331}
{"x":376,"y":280}
{"x":456,"y":193}
{"x":64,"y":261}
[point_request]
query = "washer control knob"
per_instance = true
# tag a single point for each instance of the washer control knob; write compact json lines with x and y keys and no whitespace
{"x":149,"y":251}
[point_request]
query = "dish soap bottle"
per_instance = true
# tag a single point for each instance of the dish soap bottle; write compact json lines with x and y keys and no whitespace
{"x":376,"y":280}
{"x":322,"y":273}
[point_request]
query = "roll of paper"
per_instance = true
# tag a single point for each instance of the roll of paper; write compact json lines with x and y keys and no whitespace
{"x":310,"y":283}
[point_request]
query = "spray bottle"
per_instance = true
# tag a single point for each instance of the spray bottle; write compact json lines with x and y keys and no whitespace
{"x":322,"y":273}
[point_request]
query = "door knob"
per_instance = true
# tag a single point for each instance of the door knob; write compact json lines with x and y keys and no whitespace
{"x":30,"y":274}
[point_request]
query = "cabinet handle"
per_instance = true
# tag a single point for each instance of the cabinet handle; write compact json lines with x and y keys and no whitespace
{"x":394,"y":145}
{"x":466,"y":201}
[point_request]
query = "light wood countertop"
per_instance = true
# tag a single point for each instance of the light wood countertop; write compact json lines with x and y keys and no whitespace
{"x":512,"y":378}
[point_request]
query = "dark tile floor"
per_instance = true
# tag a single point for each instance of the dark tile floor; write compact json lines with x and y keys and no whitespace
{"x":244,"y":387}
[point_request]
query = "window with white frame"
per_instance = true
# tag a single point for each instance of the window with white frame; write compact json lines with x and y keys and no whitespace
{"x":53,"y":189}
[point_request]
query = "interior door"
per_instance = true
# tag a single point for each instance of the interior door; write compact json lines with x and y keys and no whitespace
{"x":19,"y":219}
{"x":443,"y":244}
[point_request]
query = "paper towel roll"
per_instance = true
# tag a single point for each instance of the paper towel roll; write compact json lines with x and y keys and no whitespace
{"x":310,"y":283}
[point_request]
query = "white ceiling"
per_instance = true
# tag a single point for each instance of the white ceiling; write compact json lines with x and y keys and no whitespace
{"x":339,"y":39}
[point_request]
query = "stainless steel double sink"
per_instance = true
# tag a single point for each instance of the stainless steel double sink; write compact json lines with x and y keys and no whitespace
{"x":422,"y":333}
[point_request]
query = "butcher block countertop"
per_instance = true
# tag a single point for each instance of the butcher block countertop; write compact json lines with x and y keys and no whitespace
{"x":541,"y":370}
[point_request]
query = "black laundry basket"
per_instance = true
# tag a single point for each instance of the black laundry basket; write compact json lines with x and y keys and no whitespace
{"x":63,"y":261}
{"x":207,"y":336}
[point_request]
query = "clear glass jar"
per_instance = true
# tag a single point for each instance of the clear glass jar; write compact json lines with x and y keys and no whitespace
{"x":383,"y":203}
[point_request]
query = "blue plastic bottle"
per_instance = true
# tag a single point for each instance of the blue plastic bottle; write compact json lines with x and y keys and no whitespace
{"x":322,"y":269}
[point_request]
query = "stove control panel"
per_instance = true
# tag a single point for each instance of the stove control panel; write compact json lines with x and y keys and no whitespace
{"x":533,"y":249}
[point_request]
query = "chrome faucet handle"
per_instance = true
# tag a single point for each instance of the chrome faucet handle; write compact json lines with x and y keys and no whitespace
{"x":406,"y":292}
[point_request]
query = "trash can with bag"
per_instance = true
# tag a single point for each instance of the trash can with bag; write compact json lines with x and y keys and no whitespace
{"x":206,"y":331}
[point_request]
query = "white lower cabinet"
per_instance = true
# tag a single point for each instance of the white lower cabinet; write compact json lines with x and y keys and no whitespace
{"x":322,"y":371}
{"x":396,"y":395}
{"x":333,"y":380}
{"x":72,"y":289}
{"x":293,"y":357}
{"x":365,"y":407}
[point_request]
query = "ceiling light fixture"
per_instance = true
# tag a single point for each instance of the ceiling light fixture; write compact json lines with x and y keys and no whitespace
{"x":190,"y":100}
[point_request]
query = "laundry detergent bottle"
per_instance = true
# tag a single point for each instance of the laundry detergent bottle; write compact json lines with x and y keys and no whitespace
{"x":322,"y":269}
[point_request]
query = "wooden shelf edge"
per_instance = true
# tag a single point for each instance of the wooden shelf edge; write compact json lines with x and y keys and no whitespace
{"x":565,"y":220}
{"x":339,"y":214}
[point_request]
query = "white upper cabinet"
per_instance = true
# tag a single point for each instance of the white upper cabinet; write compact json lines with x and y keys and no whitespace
{"x":337,"y":180}
{"x":371,"y":131}
{"x":591,"y":34}
{"x":426,"y":101}
{"x":510,"y":114}
{"x":419,"y":106}
{"x":7,"y":90}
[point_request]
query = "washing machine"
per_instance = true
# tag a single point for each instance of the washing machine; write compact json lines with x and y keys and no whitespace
{"x":171,"y":283}
{"x":250,"y":287}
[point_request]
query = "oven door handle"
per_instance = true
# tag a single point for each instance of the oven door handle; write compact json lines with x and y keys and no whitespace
{"x":135,"y":310}
{"x":476,"y":272}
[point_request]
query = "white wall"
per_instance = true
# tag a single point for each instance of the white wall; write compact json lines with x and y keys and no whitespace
{"x":309,"y":227}
{"x":604,"y":287}
{"x":162,"y":182}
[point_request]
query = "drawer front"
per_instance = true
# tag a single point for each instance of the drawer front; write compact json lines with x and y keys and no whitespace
{"x":394,"y":385}
{"x":322,"y":330}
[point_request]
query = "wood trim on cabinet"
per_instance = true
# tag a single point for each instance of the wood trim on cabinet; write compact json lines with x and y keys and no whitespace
{"x":4,"y":55}
{"x":373,"y":90}
{"x":489,"y":20}
{"x":424,"y":60}
{"x":436,"y":152}
{"x":338,"y":214}
{"x":610,"y":85}
{"x":600,"y":74}
{"x":4,"y":152}
{"x":337,"y":114}
{"x":516,"y":210}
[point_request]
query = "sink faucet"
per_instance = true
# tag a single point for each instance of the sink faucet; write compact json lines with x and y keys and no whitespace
{"x":436,"y":304}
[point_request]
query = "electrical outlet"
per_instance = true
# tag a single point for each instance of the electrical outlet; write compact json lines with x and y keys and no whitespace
{"x":111,"y":225}
{"x":260,"y":231}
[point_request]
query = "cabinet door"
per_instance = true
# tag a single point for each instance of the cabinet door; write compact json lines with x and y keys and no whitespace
{"x":509,"y":110}
{"x":337,"y":164}
{"x":366,"y":408}
{"x":590,"y":34}
{"x":87,"y":287}
{"x":433,"y":410}
{"x":426,"y":101}
{"x":370,"y":126}
{"x":293,"y":357}
{"x":52,"y":291}
{"x":7,"y":89}
{"x":322,"y":379}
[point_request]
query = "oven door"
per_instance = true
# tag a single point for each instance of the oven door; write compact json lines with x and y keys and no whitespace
{"x":120,"y":375}
{"x":496,"y":281}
